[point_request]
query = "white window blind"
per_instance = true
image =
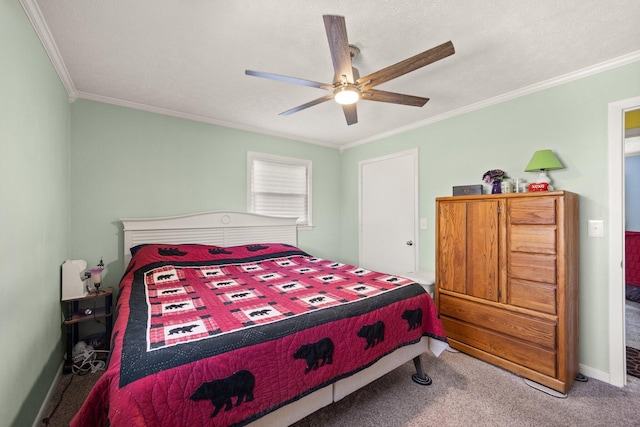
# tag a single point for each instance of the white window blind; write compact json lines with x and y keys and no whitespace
{"x":279,"y":186}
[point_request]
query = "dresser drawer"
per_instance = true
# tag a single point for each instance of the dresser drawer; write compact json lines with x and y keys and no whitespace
{"x":533,"y":295}
{"x":533,"y":267}
{"x":533,"y":211}
{"x":523,"y":353}
{"x":524,"y":238}
{"x":506,"y":323}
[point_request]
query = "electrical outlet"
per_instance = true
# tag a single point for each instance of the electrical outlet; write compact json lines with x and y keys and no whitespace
{"x":423,"y":223}
{"x":595,"y":228}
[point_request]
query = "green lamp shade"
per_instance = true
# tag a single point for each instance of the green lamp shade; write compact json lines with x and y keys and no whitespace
{"x":543,"y":160}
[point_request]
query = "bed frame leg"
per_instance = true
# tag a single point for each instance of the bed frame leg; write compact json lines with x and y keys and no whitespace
{"x":420,"y":377}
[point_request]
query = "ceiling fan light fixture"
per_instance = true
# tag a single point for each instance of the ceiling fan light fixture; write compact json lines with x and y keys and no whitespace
{"x":346,"y":95}
{"x":347,"y":86}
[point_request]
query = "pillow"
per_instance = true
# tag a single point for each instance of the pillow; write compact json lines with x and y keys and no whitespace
{"x":154,"y":252}
{"x":136,"y":248}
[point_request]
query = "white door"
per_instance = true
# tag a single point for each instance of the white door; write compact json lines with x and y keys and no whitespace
{"x":388,"y":213}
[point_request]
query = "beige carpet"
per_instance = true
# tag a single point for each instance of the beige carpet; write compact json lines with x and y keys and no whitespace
{"x":68,"y":397}
{"x":465,"y":391}
{"x":632,"y":331}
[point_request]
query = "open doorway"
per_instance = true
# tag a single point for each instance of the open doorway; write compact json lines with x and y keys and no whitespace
{"x":632,"y":240}
{"x":617,"y":341}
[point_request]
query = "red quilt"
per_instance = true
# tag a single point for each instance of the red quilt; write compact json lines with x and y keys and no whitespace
{"x":207,"y":335}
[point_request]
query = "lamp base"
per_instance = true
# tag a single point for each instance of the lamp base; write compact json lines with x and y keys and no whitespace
{"x":543,"y":182}
{"x":543,"y":177}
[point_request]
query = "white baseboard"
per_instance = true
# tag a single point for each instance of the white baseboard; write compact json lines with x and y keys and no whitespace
{"x":45,"y":405}
{"x":595,"y":373}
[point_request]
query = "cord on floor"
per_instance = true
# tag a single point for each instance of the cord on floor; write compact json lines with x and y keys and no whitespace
{"x":45,"y":421}
{"x":83,"y":364}
{"x":86,"y":362}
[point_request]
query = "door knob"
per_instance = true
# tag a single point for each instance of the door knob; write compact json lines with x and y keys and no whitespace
{"x":410,"y":243}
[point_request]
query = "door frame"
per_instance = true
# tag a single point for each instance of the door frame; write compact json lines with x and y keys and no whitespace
{"x":617,"y":354}
{"x":416,"y":244}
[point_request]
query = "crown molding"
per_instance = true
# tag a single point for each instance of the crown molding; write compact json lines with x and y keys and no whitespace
{"x":34,"y":15}
{"x":32,"y":10}
{"x":556,"y":81}
{"x":194,"y":117}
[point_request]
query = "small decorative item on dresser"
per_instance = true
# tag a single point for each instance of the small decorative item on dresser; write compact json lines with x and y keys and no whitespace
{"x":506,"y":186}
{"x":538,"y":186}
{"x":467,"y":190}
{"x":494,"y":176}
{"x":521,"y":186}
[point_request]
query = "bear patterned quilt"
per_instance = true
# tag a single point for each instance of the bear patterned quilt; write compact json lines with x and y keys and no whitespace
{"x":209,"y":335}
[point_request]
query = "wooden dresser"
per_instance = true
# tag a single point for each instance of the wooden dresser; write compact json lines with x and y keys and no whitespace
{"x":507,"y":281}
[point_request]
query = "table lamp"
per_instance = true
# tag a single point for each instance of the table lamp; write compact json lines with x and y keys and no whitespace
{"x":543,"y":160}
{"x":96,"y":276}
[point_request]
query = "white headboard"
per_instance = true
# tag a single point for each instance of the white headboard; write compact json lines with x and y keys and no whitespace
{"x":220,"y":228}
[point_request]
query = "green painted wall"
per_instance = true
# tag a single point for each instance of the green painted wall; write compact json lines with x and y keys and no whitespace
{"x":130,"y":163}
{"x":34,"y":217}
{"x":570,"y":119}
{"x":69,"y":173}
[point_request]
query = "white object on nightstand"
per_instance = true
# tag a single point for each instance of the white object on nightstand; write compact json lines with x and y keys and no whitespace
{"x":426,"y":278}
{"x":73,"y":279}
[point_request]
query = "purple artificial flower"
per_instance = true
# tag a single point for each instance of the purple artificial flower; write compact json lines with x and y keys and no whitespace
{"x":492,"y":175}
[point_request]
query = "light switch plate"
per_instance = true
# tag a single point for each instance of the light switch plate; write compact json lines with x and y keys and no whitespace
{"x":423,"y":223}
{"x":596,"y":228}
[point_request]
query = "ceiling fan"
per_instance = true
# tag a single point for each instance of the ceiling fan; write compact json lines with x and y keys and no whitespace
{"x":348,"y":87}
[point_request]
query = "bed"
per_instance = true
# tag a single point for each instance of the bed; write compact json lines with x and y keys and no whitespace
{"x":223,"y":320}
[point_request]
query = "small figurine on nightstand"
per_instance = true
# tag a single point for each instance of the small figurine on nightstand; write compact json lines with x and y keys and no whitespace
{"x":96,"y":276}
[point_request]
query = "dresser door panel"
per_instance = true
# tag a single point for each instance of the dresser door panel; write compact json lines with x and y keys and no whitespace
{"x":452,"y":246}
{"x":482,"y":249}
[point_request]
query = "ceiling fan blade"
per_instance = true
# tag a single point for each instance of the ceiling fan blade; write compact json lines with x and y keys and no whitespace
{"x":410,"y":64}
{"x":339,"y":45}
{"x":287,"y":79}
{"x":393,"y":98}
{"x":307,"y":105}
{"x":350,"y":113}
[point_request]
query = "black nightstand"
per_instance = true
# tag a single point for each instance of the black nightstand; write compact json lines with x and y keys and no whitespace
{"x":75,"y":316}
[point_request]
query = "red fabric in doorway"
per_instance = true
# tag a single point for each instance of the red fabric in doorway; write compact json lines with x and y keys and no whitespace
{"x":632,"y":258}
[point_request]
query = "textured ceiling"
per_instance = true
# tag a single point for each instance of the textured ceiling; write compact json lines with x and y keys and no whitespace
{"x":187,"y":58}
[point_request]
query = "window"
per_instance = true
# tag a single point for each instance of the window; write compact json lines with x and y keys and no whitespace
{"x":279,"y":186}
